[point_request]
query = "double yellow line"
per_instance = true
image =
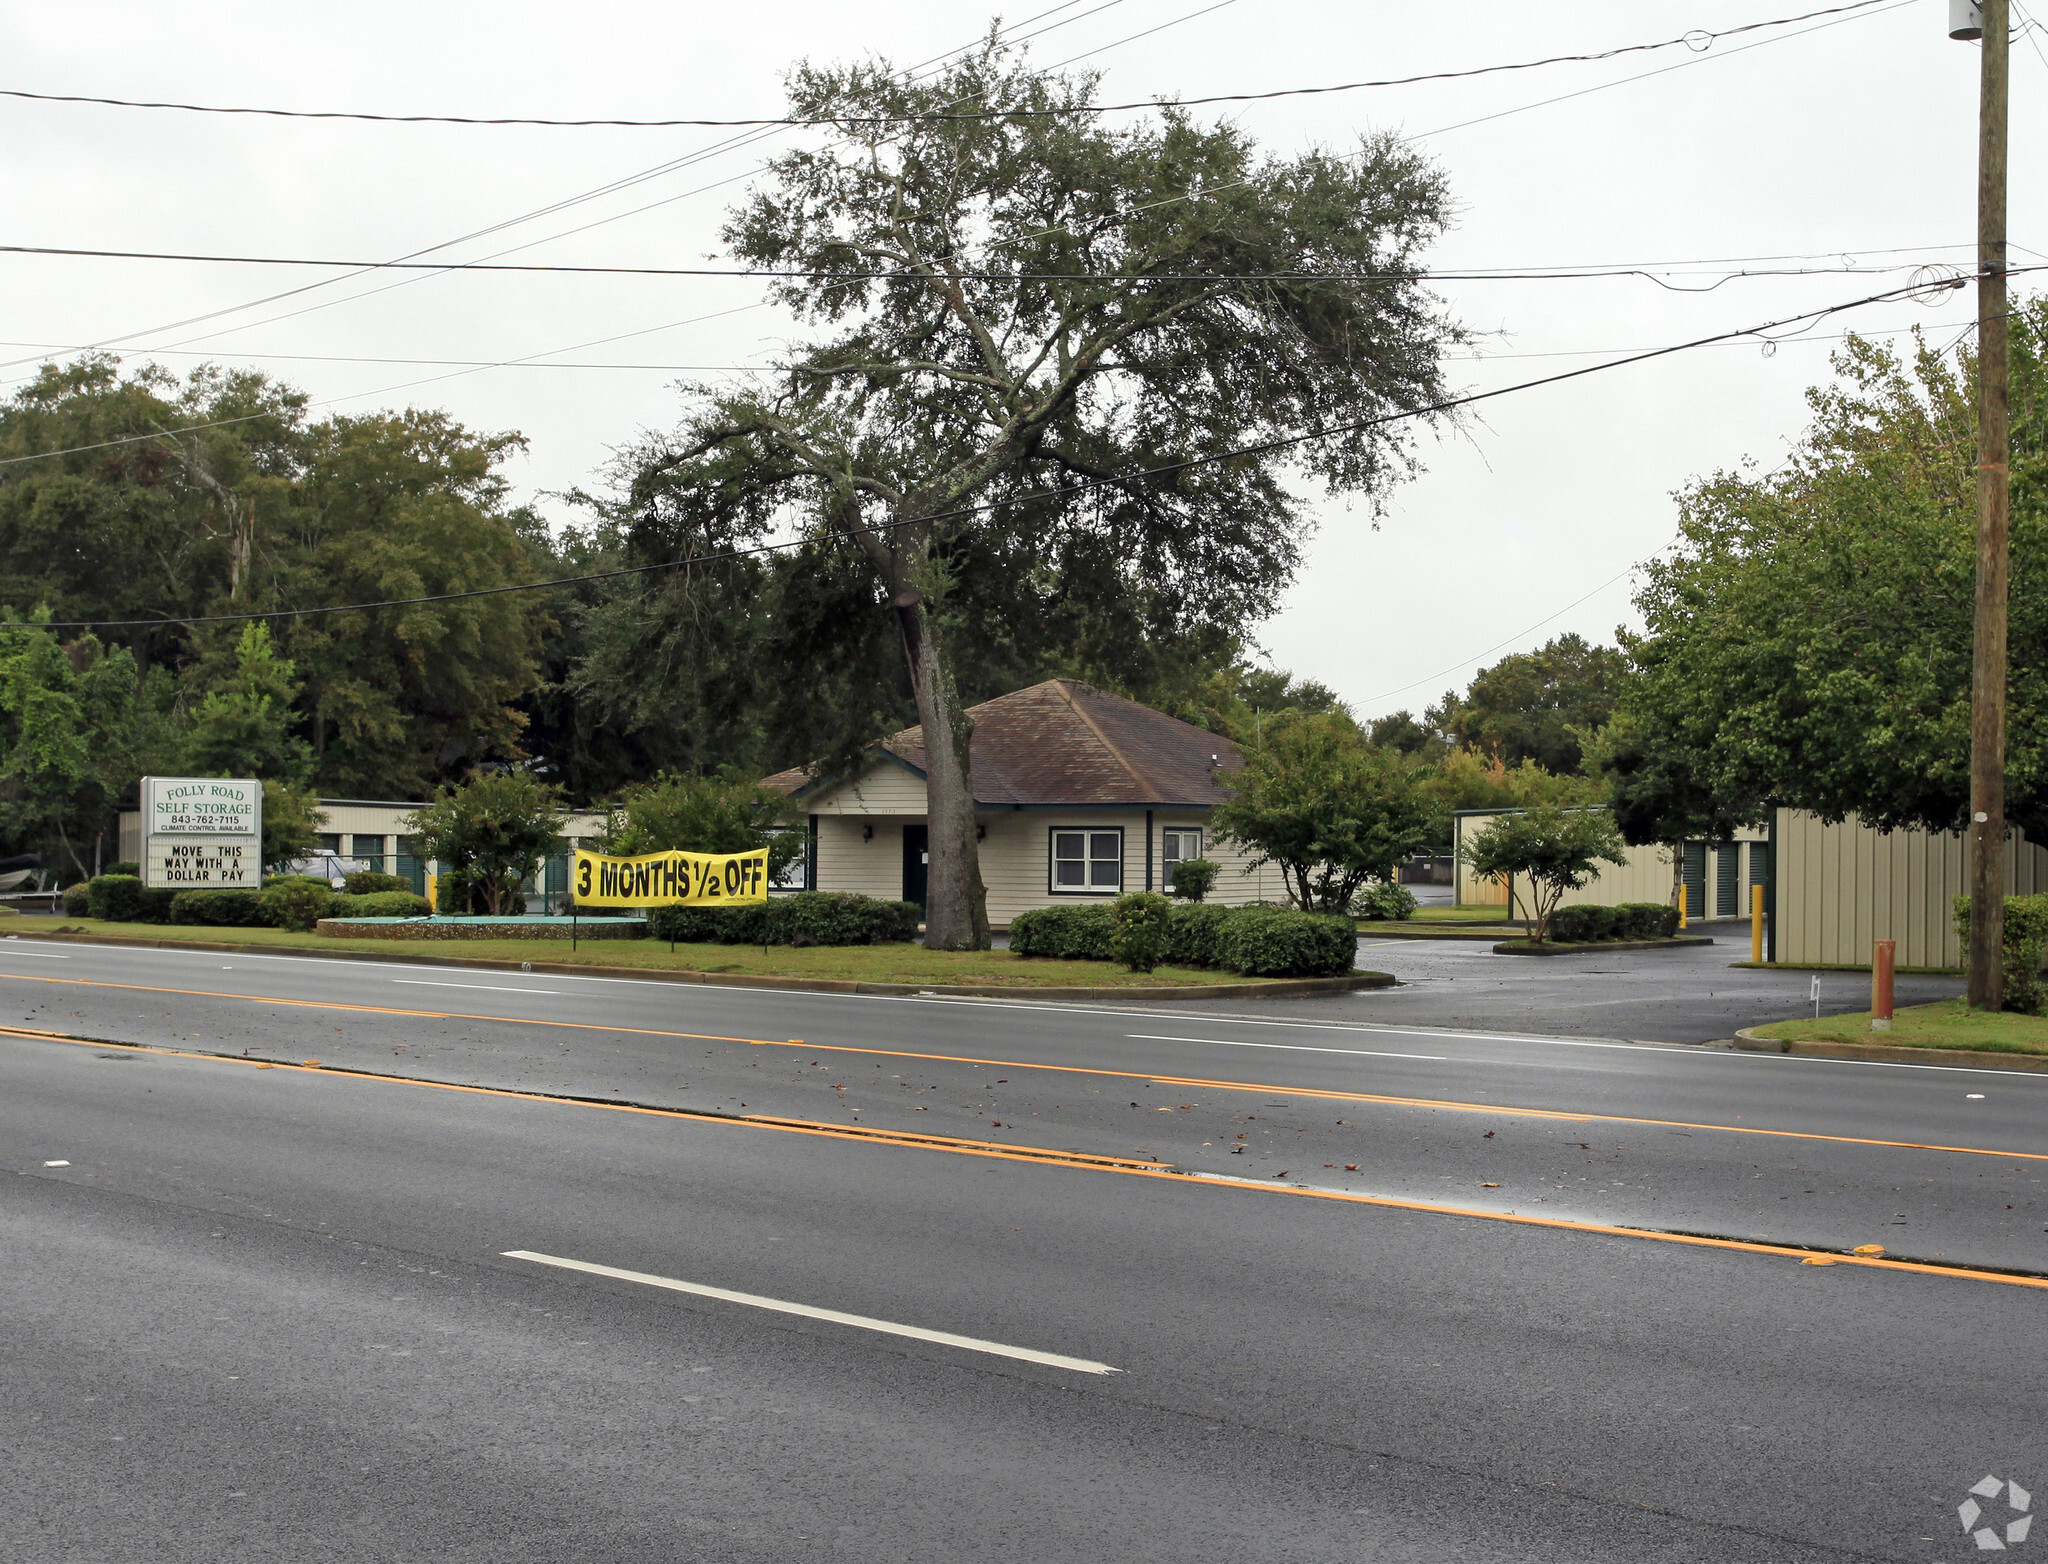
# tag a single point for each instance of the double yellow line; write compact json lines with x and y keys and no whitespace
{"x":1045,"y":1155}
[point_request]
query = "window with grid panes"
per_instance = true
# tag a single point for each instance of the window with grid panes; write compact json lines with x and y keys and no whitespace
{"x":1088,"y":862}
{"x":1177,"y":845}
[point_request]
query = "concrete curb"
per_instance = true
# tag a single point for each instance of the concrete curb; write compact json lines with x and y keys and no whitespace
{"x":1888,"y":1053}
{"x":1277,"y":988}
{"x":1600,"y":947}
{"x":1381,"y":931}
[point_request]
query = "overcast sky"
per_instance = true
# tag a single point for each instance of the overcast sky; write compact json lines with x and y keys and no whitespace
{"x":1832,"y":143}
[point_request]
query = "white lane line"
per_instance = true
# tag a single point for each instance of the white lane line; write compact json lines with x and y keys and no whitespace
{"x":752,"y":1300}
{"x":38,"y":955}
{"x":496,"y":988}
{"x":1295,"y":1048}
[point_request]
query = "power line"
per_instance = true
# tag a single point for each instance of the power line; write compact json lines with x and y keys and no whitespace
{"x":1511,"y":640}
{"x":1698,"y":40}
{"x":1443,"y":130}
{"x":614,"y":186}
{"x":1483,"y":275}
{"x":1059,"y":492}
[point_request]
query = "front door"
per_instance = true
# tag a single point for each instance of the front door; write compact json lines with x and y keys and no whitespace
{"x":917,"y":858}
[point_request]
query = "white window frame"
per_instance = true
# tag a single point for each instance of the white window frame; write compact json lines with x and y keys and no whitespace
{"x":1166,"y":864}
{"x":1088,"y":860}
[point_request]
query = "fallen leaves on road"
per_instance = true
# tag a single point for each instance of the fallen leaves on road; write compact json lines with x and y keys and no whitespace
{"x":1351,"y":1167}
{"x":1489,"y":1186}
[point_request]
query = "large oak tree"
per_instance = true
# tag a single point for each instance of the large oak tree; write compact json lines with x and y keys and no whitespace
{"x":1020,"y":314}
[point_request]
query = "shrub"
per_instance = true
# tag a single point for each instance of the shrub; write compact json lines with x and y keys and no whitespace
{"x":1065,"y":933}
{"x":1194,"y":936}
{"x":133,"y":870}
{"x":296,"y":904}
{"x":1648,"y":920}
{"x":231,"y":908}
{"x":1192,"y":878}
{"x":807,"y":918}
{"x":1384,"y":899}
{"x":368,"y":882}
{"x":1274,"y":942}
{"x":1584,"y":924}
{"x":2026,"y":933}
{"x":1140,"y":930}
{"x":123,"y":898}
{"x":380,"y":904}
{"x":78,"y":901}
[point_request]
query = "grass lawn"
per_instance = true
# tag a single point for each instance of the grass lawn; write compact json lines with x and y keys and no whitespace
{"x":857,"y":963}
{"x":1943,"y":1024}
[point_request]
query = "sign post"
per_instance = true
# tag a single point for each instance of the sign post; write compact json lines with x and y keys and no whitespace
{"x":202,"y":833}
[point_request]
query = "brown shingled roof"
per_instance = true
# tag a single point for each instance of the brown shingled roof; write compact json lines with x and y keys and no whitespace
{"x":1062,"y":742}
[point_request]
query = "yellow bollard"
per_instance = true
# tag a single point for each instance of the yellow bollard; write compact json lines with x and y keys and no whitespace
{"x":430,"y":893}
{"x":1756,"y":924}
{"x":1684,"y":901}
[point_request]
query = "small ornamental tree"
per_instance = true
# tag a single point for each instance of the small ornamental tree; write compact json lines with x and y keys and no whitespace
{"x":493,"y":831}
{"x":1329,"y":809}
{"x":291,"y":826}
{"x":704,"y":814}
{"x":1550,"y":850}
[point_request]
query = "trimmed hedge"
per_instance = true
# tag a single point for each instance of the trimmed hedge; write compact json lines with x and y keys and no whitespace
{"x":1650,"y":919}
{"x":296,"y":904}
{"x":807,"y":918}
{"x":1589,"y":924}
{"x":1194,"y":936}
{"x":78,"y":901}
{"x":229,"y":908}
{"x":123,"y":898}
{"x":1065,"y":933}
{"x":1256,"y":941}
{"x":1279,"y":942}
{"x":379,"y":904}
{"x":368,"y":882}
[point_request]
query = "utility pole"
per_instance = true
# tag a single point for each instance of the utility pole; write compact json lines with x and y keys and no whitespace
{"x":1988,"y":659}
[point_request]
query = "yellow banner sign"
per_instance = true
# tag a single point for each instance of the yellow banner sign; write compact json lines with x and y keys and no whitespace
{"x":665,"y":879}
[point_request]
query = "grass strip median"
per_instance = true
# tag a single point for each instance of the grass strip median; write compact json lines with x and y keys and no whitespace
{"x":895,"y":963}
{"x":1945,"y":1024}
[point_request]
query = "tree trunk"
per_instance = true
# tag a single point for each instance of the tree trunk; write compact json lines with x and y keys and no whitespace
{"x":956,"y":902}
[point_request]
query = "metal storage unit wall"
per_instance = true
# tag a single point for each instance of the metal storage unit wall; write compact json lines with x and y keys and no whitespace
{"x":1843,"y":887}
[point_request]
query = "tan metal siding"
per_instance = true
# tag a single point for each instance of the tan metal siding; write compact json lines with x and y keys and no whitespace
{"x":1843,"y":887}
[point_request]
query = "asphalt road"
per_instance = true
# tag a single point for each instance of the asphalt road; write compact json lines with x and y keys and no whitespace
{"x":269,"y":1313}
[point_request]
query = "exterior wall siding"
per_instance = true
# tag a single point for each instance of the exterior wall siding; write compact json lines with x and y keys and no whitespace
{"x":1016,"y":848}
{"x":1645,"y":877}
{"x":885,"y":789}
{"x":1843,"y":887}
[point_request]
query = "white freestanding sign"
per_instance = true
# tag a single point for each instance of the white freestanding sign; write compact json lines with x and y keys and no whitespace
{"x":202,"y":833}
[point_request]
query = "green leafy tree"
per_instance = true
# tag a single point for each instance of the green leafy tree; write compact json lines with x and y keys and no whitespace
{"x":1545,"y":851}
{"x":700,"y":814}
{"x":492,"y":832}
{"x":1018,"y":316}
{"x":1468,"y":779}
{"x":292,"y":819}
{"x":77,"y":727}
{"x":1325,"y":807}
{"x":1656,"y":794}
{"x":400,"y":506}
{"x":1808,"y":644}
{"x":166,"y":523}
{"x":1537,"y":706}
{"x":1400,"y":731}
{"x":242,"y":727}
